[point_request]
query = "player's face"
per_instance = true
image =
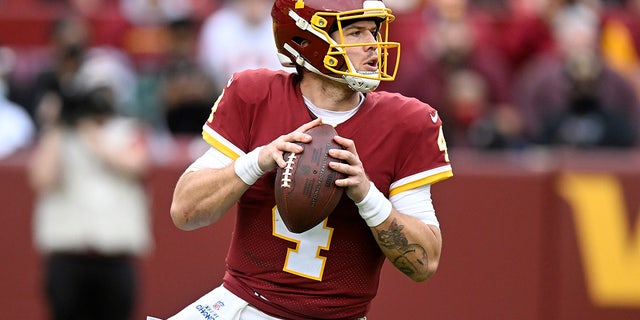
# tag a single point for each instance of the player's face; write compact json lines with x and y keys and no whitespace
{"x":364,"y":58}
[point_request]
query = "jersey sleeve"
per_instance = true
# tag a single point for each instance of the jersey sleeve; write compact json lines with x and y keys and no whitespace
{"x":244,"y":114}
{"x":225,"y":127}
{"x":424,"y":156}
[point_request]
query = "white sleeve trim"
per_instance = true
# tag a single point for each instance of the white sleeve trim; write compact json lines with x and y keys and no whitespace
{"x":417,"y":202}
{"x":213,"y":158}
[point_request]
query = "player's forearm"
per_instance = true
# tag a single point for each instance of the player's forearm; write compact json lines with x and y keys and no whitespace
{"x":204,"y":196}
{"x":410,"y":244}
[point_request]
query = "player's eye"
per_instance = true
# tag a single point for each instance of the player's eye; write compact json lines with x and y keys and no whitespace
{"x":355,"y":33}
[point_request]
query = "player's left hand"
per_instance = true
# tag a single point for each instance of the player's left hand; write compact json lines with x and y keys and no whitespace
{"x":357,"y":183}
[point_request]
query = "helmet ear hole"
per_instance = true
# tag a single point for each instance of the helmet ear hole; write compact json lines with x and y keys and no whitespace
{"x":301,"y":42}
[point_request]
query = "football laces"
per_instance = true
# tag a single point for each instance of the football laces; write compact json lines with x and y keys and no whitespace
{"x":286,"y":175}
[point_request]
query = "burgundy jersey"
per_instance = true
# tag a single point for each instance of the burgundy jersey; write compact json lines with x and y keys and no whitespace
{"x":332,"y":270}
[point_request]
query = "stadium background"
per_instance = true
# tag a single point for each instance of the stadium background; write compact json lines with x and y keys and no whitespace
{"x":520,"y":237}
{"x":514,"y":226}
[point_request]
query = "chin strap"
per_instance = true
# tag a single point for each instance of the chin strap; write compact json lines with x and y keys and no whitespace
{"x":360,"y":84}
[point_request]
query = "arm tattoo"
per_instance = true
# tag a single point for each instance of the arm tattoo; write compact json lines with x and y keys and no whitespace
{"x":412,"y":258}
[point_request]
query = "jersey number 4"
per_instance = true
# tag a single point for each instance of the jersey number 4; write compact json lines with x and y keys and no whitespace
{"x":304,"y":260}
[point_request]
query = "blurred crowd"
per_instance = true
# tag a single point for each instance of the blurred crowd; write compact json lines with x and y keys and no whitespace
{"x":503,"y":74}
{"x":521,"y":73}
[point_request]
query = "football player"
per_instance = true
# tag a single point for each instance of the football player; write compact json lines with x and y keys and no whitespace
{"x":393,"y":151}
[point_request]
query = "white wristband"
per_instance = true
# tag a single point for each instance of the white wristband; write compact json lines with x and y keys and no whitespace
{"x":375,"y":208}
{"x":247,"y":168}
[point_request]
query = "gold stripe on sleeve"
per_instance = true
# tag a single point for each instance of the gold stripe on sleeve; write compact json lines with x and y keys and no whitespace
{"x":421,"y":182}
{"x":219,"y":146}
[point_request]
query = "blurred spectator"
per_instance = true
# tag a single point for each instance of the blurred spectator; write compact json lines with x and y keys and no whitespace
{"x":409,"y":28}
{"x":144,"y":39}
{"x":91,"y":212}
{"x":621,"y":40}
{"x":573,"y":97}
{"x":457,"y":69}
{"x":479,"y":123}
{"x":70,"y":51}
{"x":17,"y":130}
{"x":176,"y":96}
{"x":155,"y":12}
{"x":68,"y":44}
{"x":526,"y":30}
{"x":160,"y":12}
{"x":186,"y":91}
{"x":87,"y":7}
{"x":238,"y":36}
{"x":112,"y":67}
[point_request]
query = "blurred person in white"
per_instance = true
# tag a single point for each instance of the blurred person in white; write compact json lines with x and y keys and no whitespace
{"x":91,"y":214}
{"x":237,"y":36}
{"x":17,"y":130}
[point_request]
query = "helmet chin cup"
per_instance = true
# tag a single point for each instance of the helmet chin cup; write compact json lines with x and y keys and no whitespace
{"x":360,"y":84}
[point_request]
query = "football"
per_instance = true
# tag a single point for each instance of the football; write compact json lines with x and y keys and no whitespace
{"x":305,"y":188}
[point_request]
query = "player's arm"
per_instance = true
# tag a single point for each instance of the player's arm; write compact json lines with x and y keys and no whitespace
{"x":410,"y":244}
{"x":203,"y":196}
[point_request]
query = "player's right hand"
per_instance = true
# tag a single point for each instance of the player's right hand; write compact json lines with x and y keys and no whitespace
{"x":271,"y":155}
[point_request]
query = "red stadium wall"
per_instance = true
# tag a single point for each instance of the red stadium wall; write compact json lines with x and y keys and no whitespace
{"x":533,"y":236}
